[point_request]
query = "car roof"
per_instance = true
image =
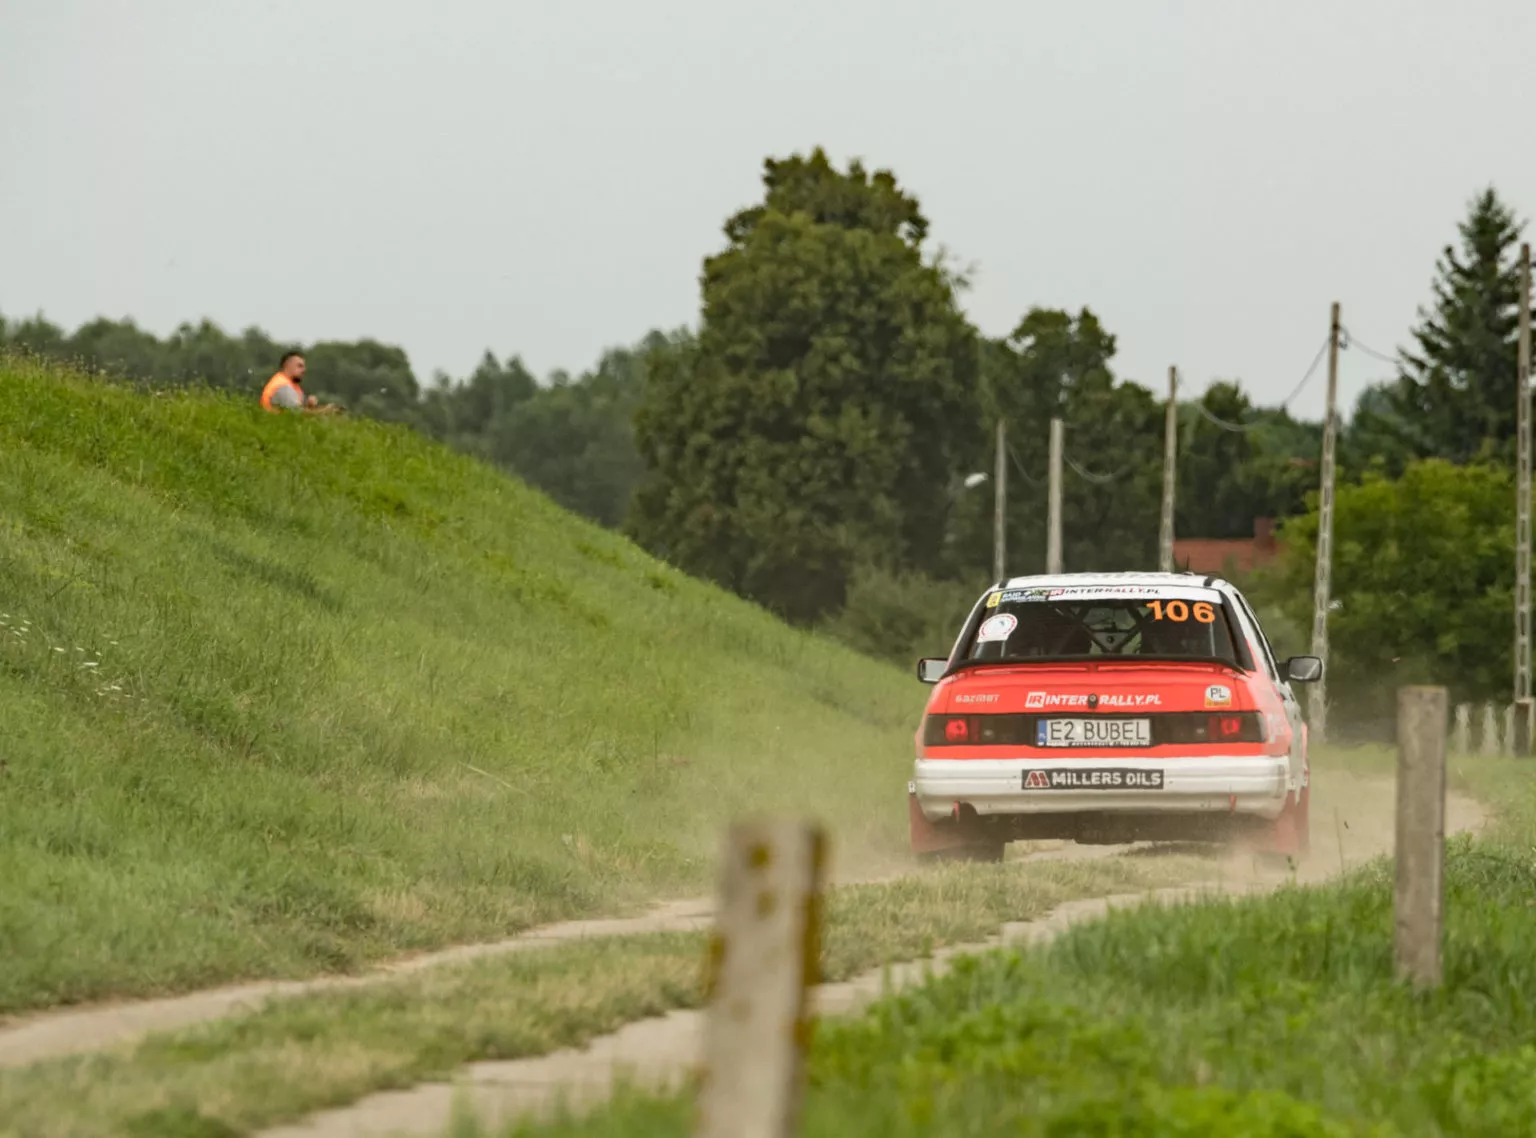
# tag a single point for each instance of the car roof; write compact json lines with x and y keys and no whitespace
{"x":1057,"y":580}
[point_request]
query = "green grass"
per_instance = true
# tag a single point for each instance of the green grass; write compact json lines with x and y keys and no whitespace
{"x":237,"y":1075}
{"x":300,"y":1055}
{"x":1265,"y":1016}
{"x":284,"y":695}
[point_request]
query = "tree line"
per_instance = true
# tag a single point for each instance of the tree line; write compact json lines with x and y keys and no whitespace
{"x":807,"y":444}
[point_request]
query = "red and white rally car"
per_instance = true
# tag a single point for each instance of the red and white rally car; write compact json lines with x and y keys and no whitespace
{"x":1107,"y":708}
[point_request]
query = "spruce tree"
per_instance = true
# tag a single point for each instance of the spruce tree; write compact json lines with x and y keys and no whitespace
{"x":1455,"y":394}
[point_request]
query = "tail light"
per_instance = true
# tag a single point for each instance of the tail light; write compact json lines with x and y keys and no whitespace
{"x":977,"y":730}
{"x":1227,"y":727}
{"x":1224,"y":727}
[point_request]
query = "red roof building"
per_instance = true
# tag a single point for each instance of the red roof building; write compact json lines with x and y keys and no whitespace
{"x":1216,"y":555}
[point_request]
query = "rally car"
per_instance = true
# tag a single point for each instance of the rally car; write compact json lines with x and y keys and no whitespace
{"x":1108,"y":708}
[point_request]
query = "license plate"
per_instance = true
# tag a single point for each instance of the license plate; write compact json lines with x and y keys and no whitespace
{"x":1093,"y":733}
{"x":1093,"y":778}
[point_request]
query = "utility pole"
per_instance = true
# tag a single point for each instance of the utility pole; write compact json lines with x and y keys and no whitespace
{"x":1170,"y":453}
{"x":1318,"y":703}
{"x":1521,"y":743}
{"x":1053,"y":530}
{"x":1000,"y":506}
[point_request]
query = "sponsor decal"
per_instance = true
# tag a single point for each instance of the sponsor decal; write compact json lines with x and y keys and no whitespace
{"x":993,"y":599}
{"x":973,"y":698}
{"x":1218,"y":695}
{"x":1094,"y":778}
{"x":1039,"y":700}
{"x":998,"y":627}
{"x":1111,"y":592}
{"x":1013,"y":595}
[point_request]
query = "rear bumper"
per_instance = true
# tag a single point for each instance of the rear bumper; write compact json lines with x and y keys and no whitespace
{"x":1251,"y":785}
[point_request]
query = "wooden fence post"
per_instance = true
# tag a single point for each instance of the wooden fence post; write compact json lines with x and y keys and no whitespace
{"x":1420,"y":845}
{"x":763,"y":959}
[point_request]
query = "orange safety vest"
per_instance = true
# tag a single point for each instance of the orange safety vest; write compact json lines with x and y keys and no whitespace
{"x":279,"y":380}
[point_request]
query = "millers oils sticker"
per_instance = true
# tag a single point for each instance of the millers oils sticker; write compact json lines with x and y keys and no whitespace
{"x":1094,"y":778}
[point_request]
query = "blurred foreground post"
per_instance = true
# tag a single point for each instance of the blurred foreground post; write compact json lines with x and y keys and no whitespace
{"x":1520,"y":731}
{"x":763,"y":958}
{"x":1420,"y":846}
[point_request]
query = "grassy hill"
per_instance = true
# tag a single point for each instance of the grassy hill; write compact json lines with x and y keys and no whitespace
{"x":285,"y":694}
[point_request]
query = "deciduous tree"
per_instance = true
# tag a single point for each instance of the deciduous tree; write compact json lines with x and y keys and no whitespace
{"x":1423,"y":570}
{"x":817,"y":422}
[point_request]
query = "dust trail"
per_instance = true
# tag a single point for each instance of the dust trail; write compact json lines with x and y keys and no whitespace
{"x":1353,"y":821}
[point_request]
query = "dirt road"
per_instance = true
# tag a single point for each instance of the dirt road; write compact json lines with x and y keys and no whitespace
{"x":1352,"y":822}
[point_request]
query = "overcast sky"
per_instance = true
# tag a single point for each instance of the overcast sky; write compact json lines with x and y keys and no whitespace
{"x":544,"y":178}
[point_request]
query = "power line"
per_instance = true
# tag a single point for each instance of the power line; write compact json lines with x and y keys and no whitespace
{"x":1097,"y":479}
{"x":1222,"y":423}
{"x":1284,"y":403}
{"x":1013,"y":454}
{"x":1353,"y":341}
{"x":1105,"y":479}
{"x":1312,"y":370}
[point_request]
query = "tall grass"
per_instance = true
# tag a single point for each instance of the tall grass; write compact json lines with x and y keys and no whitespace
{"x":1264,"y":1016}
{"x":283,"y":694}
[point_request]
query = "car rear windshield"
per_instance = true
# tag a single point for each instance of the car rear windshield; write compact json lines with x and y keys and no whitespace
{"x":1077,"y":623}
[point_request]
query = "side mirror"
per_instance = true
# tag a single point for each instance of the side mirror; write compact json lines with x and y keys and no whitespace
{"x":1304,"y":669}
{"x":931,"y":670}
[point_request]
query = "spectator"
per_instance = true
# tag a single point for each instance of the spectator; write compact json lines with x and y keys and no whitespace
{"x":283,"y":391}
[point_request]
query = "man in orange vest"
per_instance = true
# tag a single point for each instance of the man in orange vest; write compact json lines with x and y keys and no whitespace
{"x":283,"y":391}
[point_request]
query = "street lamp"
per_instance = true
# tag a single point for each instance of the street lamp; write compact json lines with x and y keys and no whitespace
{"x":974,"y":480}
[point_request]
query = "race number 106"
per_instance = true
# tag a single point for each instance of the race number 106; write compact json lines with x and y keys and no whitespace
{"x":1179,"y":611}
